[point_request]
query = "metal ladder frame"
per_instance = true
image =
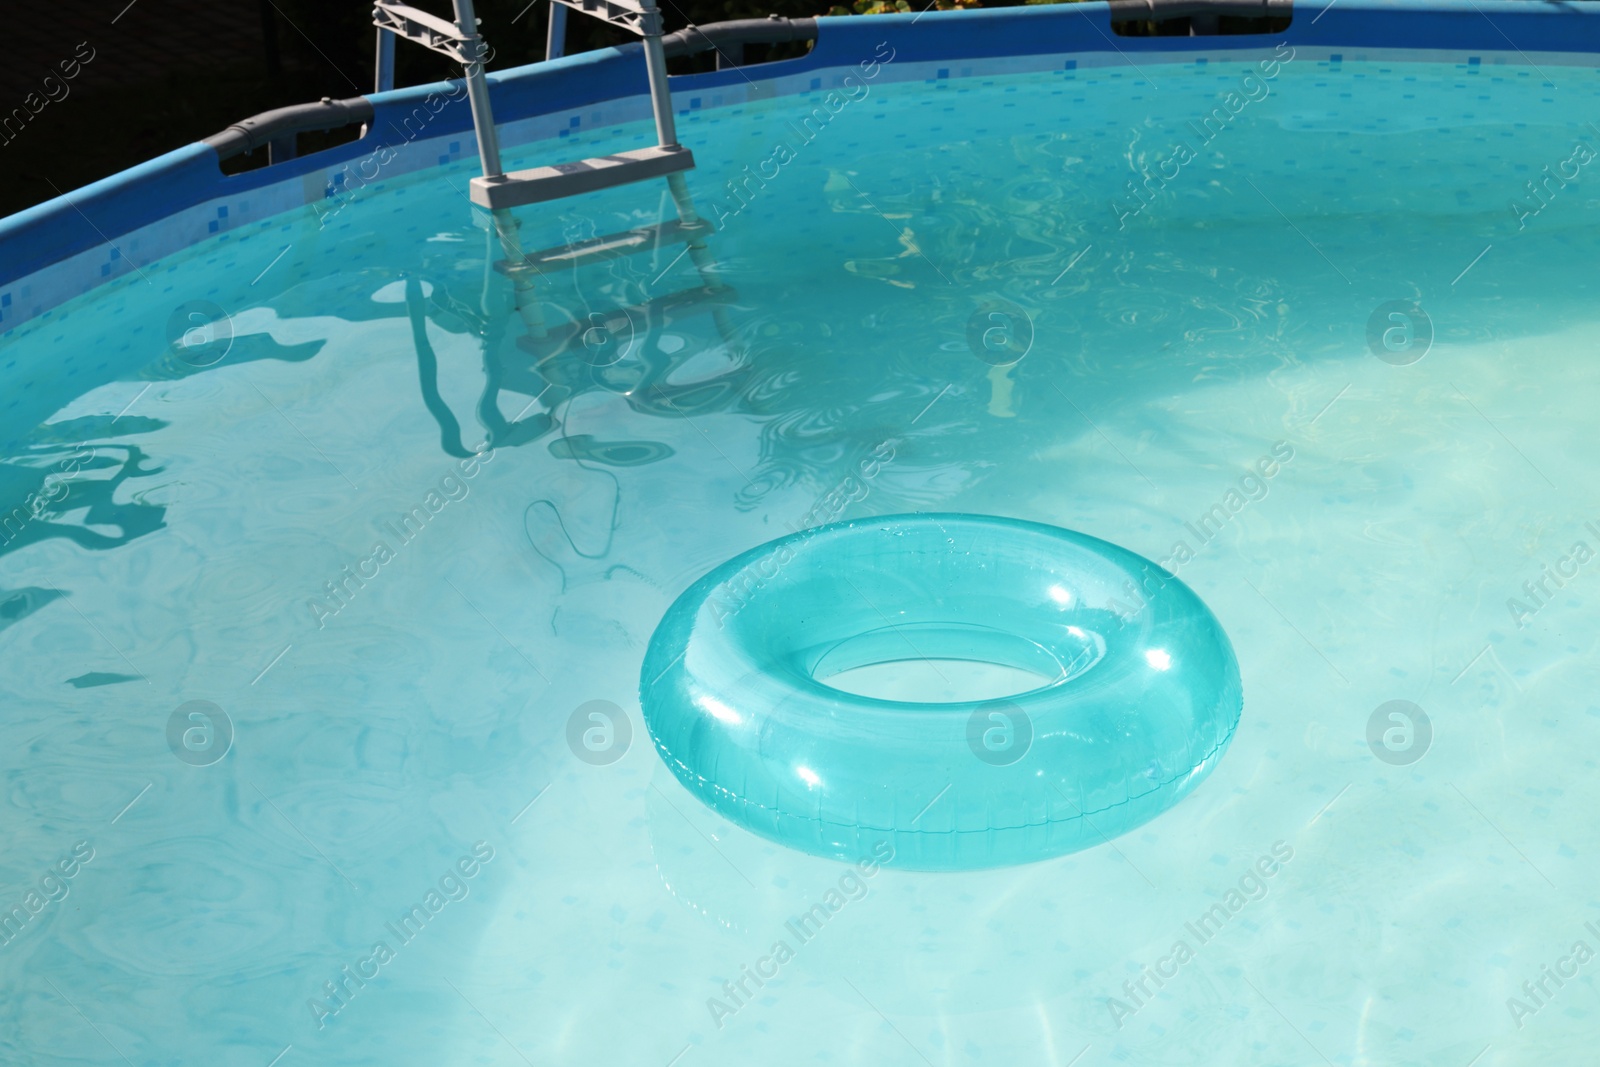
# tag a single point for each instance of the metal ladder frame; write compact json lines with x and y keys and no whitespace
{"x":495,"y":189}
{"x":546,"y":344}
{"x":541,"y":362}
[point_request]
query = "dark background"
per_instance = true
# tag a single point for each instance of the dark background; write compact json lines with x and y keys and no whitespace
{"x":166,"y":73}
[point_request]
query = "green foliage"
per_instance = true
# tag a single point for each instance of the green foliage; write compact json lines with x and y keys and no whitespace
{"x":885,"y":7}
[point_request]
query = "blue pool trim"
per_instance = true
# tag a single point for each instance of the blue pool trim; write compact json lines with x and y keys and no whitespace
{"x":51,"y":234}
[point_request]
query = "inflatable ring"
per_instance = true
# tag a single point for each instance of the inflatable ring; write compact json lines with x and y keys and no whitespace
{"x":1134,"y":695}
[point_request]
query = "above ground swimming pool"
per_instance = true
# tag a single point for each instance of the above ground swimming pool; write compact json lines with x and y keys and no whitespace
{"x":327,"y":579}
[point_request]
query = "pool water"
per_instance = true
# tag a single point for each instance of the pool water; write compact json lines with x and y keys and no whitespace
{"x":1323,"y":368}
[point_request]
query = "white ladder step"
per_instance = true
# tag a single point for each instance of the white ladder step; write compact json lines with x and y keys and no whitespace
{"x":611,"y":246}
{"x":587,"y":175}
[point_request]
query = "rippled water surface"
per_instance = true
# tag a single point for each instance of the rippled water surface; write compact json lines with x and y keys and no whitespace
{"x":403,"y":737}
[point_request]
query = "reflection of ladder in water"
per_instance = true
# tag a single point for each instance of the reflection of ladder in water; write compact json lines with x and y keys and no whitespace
{"x":461,"y":42}
{"x":688,"y":229}
{"x":552,"y":361}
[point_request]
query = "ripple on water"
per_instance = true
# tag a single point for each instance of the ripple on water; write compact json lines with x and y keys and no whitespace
{"x":196,"y":906}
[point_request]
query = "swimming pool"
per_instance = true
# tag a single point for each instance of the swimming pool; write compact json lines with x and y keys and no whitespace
{"x":1283,"y":314}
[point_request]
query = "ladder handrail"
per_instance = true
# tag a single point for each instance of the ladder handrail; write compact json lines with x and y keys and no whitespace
{"x":495,"y":189}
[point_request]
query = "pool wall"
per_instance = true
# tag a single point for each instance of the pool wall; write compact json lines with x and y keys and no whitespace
{"x":73,"y":243}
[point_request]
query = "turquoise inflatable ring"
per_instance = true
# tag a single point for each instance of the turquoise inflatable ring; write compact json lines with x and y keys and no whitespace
{"x":1139,"y":690}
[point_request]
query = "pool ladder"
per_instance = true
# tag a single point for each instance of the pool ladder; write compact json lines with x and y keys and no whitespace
{"x":543,"y":343}
{"x":496,"y":189}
